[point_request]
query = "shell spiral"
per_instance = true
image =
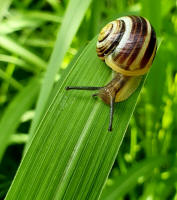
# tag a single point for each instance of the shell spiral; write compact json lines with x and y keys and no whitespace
{"x":128,"y":45}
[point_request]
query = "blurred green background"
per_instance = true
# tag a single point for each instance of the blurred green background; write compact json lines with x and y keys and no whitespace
{"x":28,"y":34}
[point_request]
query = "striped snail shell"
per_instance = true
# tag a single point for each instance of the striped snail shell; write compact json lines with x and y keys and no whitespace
{"x":128,"y":45}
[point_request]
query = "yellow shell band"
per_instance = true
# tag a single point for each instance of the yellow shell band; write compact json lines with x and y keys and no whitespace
{"x":135,"y":72}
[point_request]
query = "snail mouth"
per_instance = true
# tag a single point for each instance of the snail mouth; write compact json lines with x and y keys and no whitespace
{"x":106,"y":94}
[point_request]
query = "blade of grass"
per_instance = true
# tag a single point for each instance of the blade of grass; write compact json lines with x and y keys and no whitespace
{"x":18,"y":138}
{"x":13,"y":24}
{"x":11,"y":118}
{"x":46,"y":16}
{"x":72,"y":152}
{"x":4,"y":87}
{"x":72,"y":19}
{"x":12,"y":46}
{"x":10,"y":80}
{"x":17,"y":61}
{"x":125,"y":183}
{"x":40,"y":43}
{"x":94,"y":25}
{"x":28,"y":19}
{"x":4,"y":7}
{"x":152,"y":10}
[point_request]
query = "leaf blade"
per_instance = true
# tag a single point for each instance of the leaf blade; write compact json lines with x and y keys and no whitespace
{"x":72,"y":142}
{"x":11,"y":117}
{"x":75,"y":11}
{"x":126,"y":182}
{"x":7,"y":43}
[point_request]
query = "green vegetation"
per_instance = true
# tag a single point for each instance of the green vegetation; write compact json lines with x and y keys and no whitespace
{"x":58,"y":140}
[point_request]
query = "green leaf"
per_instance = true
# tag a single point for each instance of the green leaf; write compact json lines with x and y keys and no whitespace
{"x":4,"y":7}
{"x":12,"y":46}
{"x":125,"y":183}
{"x":10,"y":80}
{"x":72,"y":19}
{"x":152,"y":10}
{"x":72,"y":152}
{"x":45,"y":16}
{"x":17,"y":61}
{"x":11,"y":118}
{"x":26,"y":19}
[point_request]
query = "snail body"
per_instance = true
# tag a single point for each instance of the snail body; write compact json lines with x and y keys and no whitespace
{"x":120,"y":86}
{"x":128,"y":46}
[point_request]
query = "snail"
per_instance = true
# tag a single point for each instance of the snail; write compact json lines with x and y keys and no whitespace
{"x":128,"y":46}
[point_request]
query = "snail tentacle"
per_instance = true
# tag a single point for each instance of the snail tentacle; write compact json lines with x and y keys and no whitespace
{"x":112,"y":101}
{"x":82,"y":88}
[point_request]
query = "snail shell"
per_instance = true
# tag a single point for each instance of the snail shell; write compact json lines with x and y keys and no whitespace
{"x":128,"y":45}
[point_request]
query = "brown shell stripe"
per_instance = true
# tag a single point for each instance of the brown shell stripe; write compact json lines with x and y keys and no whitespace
{"x":140,"y":41}
{"x":127,"y":49}
{"x":117,"y":39}
{"x":149,"y":50}
{"x":107,"y":34}
{"x":108,"y":49}
{"x":102,"y":49}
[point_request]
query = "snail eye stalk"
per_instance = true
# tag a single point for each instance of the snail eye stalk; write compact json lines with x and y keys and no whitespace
{"x":112,"y":101}
{"x":83,"y":88}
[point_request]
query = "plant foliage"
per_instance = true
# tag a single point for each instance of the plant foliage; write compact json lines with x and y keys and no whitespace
{"x":54,"y":143}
